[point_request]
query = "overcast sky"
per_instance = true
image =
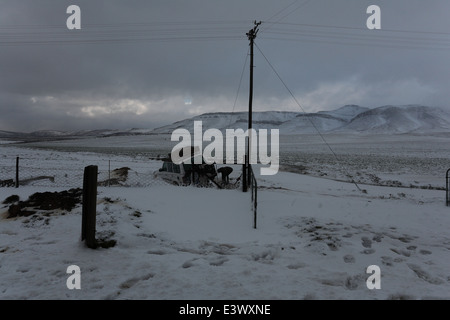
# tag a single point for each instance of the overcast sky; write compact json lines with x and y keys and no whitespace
{"x":147,"y":63}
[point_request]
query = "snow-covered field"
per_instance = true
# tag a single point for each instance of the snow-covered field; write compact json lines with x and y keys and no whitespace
{"x":315,"y":238}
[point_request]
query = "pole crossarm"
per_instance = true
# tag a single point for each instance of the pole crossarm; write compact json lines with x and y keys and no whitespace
{"x":253,"y":32}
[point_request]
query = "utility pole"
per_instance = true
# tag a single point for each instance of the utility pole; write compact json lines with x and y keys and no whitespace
{"x":246,"y":172}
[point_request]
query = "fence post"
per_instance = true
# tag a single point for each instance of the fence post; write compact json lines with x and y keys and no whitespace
{"x":254,"y":187}
{"x":89,"y":206}
{"x":244,"y":175}
{"x":109,"y":173}
{"x":447,"y":200}
{"x":17,"y":172}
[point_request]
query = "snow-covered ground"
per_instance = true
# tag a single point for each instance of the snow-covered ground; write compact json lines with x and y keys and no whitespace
{"x":315,"y":236}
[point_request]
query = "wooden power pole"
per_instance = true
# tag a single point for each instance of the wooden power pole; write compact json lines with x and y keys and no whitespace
{"x":246,"y":176}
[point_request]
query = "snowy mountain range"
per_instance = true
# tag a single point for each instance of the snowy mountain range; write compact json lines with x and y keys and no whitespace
{"x":350,"y":118}
{"x":347,"y":119}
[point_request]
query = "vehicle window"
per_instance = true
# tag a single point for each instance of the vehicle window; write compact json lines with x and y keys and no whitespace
{"x":176,"y":168}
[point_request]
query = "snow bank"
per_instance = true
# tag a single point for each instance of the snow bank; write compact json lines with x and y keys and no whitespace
{"x":315,"y":239}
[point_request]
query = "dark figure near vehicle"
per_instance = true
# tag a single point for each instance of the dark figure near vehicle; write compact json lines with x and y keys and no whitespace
{"x":225,"y":171}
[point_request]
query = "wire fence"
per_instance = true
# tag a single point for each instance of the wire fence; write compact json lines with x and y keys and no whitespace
{"x":20,"y":172}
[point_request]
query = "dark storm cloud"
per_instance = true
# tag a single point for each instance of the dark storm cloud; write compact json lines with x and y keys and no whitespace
{"x":147,"y":63}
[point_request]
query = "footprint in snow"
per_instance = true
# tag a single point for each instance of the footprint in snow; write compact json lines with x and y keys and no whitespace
{"x":377,"y":238}
{"x":349,"y":258}
{"x":424,"y":275}
{"x":157,"y":252}
{"x":132,"y":281}
{"x":189,"y":263}
{"x":353,"y":282}
{"x":389,"y":261}
{"x":295,"y":266}
{"x":401,"y":252}
{"x":218,"y":261}
{"x":368,"y":251}
{"x":366,"y":242}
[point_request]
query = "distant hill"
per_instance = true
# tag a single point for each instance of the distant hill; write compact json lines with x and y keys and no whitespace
{"x":350,"y":118}
{"x":400,"y":119}
{"x":64,"y":135}
{"x":347,"y":112}
{"x":224,"y":120}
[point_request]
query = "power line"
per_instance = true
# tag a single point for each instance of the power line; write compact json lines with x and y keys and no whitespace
{"x":285,"y":8}
{"x":359,"y":36}
{"x":372,"y":39}
{"x":187,"y":31}
{"x":120,"y":33}
{"x":239,"y":87}
{"x":310,"y":120}
{"x":126,"y":24}
{"x":118,"y":40}
{"x":359,"y":28}
{"x":367,"y":43}
{"x":354,"y":36}
{"x":286,"y":15}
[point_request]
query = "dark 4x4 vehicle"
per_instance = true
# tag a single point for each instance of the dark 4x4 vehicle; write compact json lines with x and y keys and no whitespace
{"x":188,"y":172}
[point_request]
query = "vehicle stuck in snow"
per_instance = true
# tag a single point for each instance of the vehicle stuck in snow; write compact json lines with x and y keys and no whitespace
{"x":191,"y":171}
